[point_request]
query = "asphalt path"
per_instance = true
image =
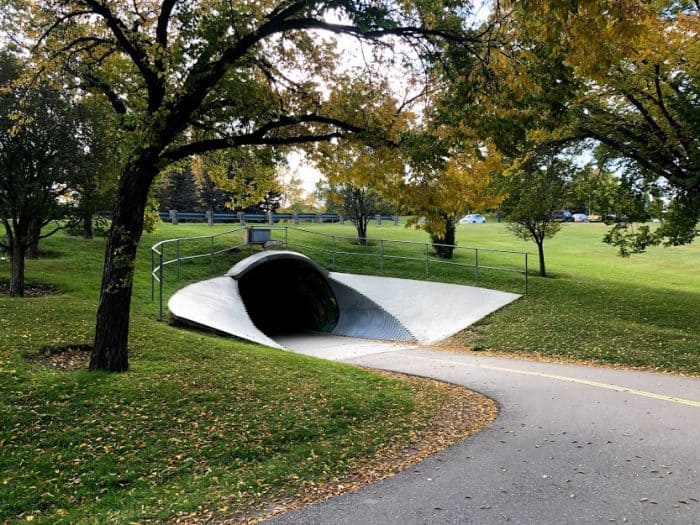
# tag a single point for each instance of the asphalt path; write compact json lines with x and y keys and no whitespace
{"x":571,"y":444}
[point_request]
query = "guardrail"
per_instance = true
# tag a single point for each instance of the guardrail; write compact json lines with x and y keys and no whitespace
{"x":331,"y":248}
{"x":174,"y":216}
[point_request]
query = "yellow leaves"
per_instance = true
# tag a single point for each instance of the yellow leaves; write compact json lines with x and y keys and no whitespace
{"x":352,"y":161}
{"x":465,"y":184}
{"x":245,"y":175}
{"x":592,"y":35}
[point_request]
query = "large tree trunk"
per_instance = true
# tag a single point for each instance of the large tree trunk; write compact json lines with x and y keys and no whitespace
{"x":444,"y":244}
{"x":34,"y":233}
{"x":540,"y":251}
{"x":88,"y":232}
{"x":17,"y":272}
{"x":361,"y":227}
{"x":110,"y":351}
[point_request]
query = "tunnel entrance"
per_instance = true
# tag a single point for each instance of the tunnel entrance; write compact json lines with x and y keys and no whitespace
{"x":288,"y":296}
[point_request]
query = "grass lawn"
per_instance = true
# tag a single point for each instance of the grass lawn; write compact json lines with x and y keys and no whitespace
{"x":203,"y":423}
{"x":199,"y":424}
{"x":642,"y":311}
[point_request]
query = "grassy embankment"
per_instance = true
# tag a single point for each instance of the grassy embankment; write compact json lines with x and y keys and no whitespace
{"x":202,"y":423}
{"x":642,"y":311}
{"x":199,"y":424}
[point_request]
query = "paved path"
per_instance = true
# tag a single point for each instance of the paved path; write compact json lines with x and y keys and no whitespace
{"x":572,"y":444}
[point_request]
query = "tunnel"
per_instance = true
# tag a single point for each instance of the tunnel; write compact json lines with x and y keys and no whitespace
{"x":285,"y":296}
{"x":286,"y":293}
{"x":279,"y":293}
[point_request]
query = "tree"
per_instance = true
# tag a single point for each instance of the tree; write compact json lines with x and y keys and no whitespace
{"x":360,"y":204}
{"x":536,"y":189}
{"x":271,"y":202}
{"x":211,"y":196}
{"x":292,"y":189}
{"x":634,"y":72}
{"x":442,"y":190}
{"x":360,"y":173}
{"x":178,"y":189}
{"x":38,"y":146}
{"x":354,"y":174}
{"x":593,"y":189}
{"x":185,"y":78}
{"x":243,"y":177}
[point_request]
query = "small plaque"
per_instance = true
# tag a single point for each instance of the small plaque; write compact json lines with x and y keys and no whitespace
{"x":259,"y":236}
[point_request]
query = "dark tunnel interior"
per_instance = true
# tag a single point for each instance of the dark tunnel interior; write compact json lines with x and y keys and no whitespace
{"x":287,"y":296}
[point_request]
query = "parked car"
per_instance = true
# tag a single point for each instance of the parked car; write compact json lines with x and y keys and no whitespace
{"x":562,"y":216}
{"x":612,"y":218}
{"x":580,"y":217}
{"x":594,"y":217}
{"x":473,"y":218}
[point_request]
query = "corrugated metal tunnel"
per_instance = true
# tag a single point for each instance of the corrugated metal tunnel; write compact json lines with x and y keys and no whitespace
{"x":287,"y":296}
{"x":274,"y":293}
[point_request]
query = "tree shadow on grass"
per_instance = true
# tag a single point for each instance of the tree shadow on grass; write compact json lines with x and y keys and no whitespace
{"x":31,"y":289}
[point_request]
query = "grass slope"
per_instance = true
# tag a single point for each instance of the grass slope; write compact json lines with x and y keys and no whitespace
{"x":642,"y":311}
{"x":200,"y":423}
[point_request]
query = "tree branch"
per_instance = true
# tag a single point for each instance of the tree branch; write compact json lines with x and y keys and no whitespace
{"x":312,"y":23}
{"x":58,"y":228}
{"x":204,"y":146}
{"x":58,"y":22}
{"x":679,"y":178}
{"x":163,"y":21}
{"x":134,"y":50}
{"x":205,"y":73}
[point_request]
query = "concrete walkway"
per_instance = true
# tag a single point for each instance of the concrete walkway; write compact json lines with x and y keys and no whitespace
{"x":572,"y":444}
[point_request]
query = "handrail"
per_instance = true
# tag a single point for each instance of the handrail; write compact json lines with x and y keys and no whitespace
{"x":158,"y":262}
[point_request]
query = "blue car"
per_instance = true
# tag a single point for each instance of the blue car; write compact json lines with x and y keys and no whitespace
{"x":562,"y":216}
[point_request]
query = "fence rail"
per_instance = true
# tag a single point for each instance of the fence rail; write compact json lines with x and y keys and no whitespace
{"x":243,"y":218}
{"x":331,"y":248}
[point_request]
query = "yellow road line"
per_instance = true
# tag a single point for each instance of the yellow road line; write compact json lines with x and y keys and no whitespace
{"x":607,"y":386}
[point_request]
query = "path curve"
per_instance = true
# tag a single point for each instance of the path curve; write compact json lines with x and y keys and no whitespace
{"x":572,"y":444}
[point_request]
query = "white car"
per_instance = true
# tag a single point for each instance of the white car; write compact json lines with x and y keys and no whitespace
{"x":580,"y":217}
{"x":473,"y":218}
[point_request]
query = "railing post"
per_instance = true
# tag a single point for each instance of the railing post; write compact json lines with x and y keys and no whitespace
{"x":211,"y":254}
{"x":177,"y":254}
{"x":334,"y":248}
{"x":426,"y":262}
{"x":476,"y":263}
{"x":153,"y":277}
{"x":160,"y":286}
{"x":381,"y":255}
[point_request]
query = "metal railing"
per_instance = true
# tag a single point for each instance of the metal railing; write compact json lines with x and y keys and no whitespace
{"x":332,"y":247}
